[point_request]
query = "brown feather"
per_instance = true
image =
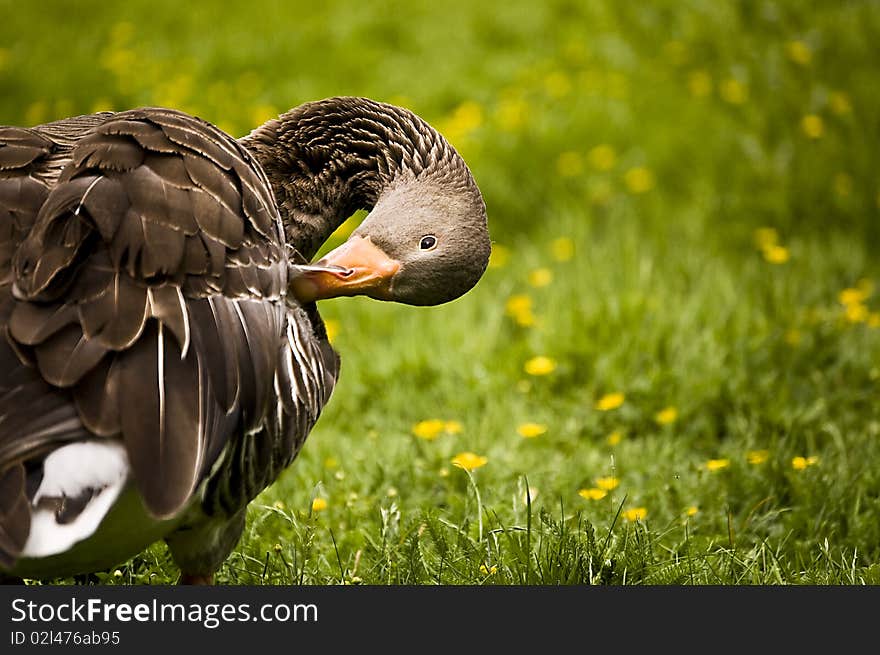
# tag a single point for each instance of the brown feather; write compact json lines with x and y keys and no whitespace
{"x":20,"y":147}
{"x":149,"y":136}
{"x":55,"y":238}
{"x":66,"y":356}
{"x":22,"y":195}
{"x":106,"y":203}
{"x":208,"y":339}
{"x":214,"y":181}
{"x":116,"y":318}
{"x":97,"y":398}
{"x":217,"y":220}
{"x":197,"y":135}
{"x":169,"y":306}
{"x":32,"y":323}
{"x":170,"y":168}
{"x":163,"y":250}
{"x":159,"y":201}
{"x":162,"y":429}
{"x":107,"y":153}
{"x":15,"y":516}
{"x":195,"y":256}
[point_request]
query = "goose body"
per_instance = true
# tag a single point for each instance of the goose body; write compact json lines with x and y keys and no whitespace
{"x":163,"y":359}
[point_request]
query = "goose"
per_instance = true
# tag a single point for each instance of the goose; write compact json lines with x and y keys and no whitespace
{"x":162,"y":358}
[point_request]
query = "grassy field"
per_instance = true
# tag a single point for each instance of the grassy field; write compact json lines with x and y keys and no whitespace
{"x":670,"y":374}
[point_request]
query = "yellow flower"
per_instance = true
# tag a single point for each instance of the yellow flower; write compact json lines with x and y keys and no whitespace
{"x":666,"y":415}
{"x":602,"y":157}
{"x":429,"y":429}
{"x":499,"y":256}
{"x":692,"y":510}
{"x":319,"y":505}
{"x":800,"y":463}
{"x":776,"y":254}
{"x":717,"y":464}
{"x":517,"y":304}
{"x":332,"y":327}
{"x":467,"y":117}
{"x":607,"y":483}
{"x":453,"y":427}
{"x":469,"y":461}
{"x":331,"y":463}
{"x":700,"y":83}
{"x":519,"y":307}
{"x":639,"y":180}
{"x":635,"y":514}
{"x":540,"y":365}
{"x":570,"y":164}
{"x":733,"y":91}
{"x":813,"y":126}
{"x":610,"y":401}
{"x":540,"y":277}
{"x":757,"y":456}
{"x":488,"y":571}
{"x":562,"y":249}
{"x":766,"y":237}
{"x":279,"y":504}
{"x":856,"y":313}
{"x":853,"y":296}
{"x":799,"y":52}
{"x":531,"y":430}
{"x":593,"y":493}
{"x":525,"y":319}
{"x":793,"y":337}
{"x":614,"y":438}
{"x":840,"y":103}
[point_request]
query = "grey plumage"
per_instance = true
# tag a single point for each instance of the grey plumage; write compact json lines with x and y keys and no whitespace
{"x":145,"y":260}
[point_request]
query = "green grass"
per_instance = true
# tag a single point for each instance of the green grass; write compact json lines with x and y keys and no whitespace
{"x":667,"y":298}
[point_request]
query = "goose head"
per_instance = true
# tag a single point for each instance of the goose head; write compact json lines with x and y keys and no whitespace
{"x":425,"y":240}
{"x":424,"y":243}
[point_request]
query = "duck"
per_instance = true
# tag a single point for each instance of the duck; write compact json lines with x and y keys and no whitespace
{"x":163,"y":359}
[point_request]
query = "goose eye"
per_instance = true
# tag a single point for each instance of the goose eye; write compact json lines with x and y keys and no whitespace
{"x":428,"y":242}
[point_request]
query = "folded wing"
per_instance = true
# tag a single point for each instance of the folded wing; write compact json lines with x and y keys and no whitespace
{"x":150,"y":285}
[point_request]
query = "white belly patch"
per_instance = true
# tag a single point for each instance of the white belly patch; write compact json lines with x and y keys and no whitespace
{"x":69,"y":472}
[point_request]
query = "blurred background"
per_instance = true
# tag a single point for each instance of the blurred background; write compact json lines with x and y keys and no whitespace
{"x":761,"y":111}
{"x":679,"y":325}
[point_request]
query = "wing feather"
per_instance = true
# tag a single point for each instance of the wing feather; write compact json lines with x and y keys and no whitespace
{"x":150,"y":270}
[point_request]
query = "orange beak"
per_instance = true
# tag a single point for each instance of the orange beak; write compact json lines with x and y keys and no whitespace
{"x":357,"y":267}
